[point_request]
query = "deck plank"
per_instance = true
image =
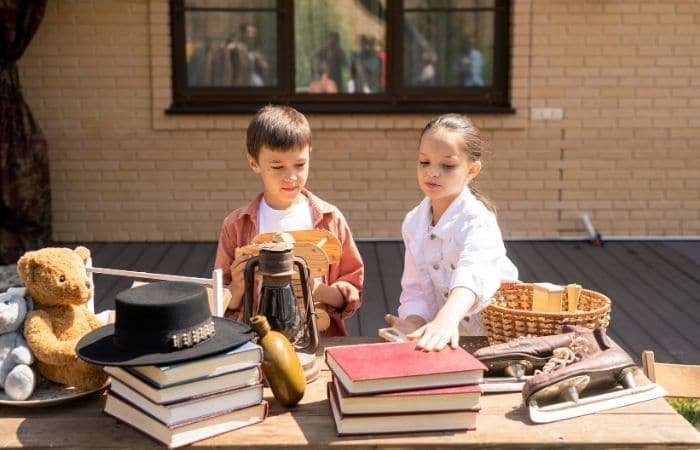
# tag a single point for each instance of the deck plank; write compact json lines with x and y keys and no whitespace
{"x":665,"y":280}
{"x":687,"y":248}
{"x":584,"y":268}
{"x":645,"y":327}
{"x":370,"y":316}
{"x":654,"y":286}
{"x":147,"y":262}
{"x":127,"y":260}
{"x":200,"y":261}
{"x":605,"y":278}
{"x":513,"y":252}
{"x":390,"y":256}
{"x":525,"y":259}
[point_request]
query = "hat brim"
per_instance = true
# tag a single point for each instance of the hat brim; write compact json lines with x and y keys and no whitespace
{"x":98,"y":346}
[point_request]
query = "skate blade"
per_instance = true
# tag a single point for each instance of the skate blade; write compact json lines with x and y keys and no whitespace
{"x":594,"y":403}
{"x":503,"y":384}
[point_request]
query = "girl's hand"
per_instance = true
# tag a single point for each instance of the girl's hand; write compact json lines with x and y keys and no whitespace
{"x":436,"y":334}
{"x":444,"y":328}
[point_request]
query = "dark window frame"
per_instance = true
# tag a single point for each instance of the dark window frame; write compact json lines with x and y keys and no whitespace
{"x":397,"y":98}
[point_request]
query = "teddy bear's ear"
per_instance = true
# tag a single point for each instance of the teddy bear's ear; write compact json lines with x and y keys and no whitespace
{"x":83,"y":252}
{"x":26,"y":266}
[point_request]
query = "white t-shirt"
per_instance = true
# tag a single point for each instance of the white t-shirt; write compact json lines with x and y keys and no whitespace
{"x":296,"y":217}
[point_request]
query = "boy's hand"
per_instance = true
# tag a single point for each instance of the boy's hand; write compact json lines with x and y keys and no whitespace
{"x":237,"y":286}
{"x":329,"y":295}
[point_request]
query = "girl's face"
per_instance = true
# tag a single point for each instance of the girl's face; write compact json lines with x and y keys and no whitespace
{"x":444,"y":168}
{"x":283,"y":174}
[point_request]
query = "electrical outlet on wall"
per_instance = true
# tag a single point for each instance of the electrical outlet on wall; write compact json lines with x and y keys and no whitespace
{"x":546,"y":114}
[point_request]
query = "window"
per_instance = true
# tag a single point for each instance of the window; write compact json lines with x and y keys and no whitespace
{"x":341,"y":55}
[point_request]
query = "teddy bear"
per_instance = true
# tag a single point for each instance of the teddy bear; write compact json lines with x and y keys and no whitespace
{"x":58,"y":282}
{"x":17,"y":377}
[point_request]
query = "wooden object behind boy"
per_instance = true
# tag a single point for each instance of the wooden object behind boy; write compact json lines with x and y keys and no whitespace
{"x":319,"y":248}
{"x":325,"y":240}
{"x":547,"y":297}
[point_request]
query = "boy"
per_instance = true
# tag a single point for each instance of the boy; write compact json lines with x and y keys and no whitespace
{"x":279,"y":142}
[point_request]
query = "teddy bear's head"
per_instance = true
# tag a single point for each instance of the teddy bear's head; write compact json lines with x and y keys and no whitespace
{"x":56,"y":276}
{"x":14,"y":307}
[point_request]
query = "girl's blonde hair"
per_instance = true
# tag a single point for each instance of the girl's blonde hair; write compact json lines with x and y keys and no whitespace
{"x":472,"y":143}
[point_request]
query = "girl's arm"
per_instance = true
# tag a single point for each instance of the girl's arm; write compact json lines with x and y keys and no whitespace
{"x":482,"y":263}
{"x":476,"y":277}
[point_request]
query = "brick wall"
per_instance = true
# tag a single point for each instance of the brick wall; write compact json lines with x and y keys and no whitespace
{"x":626,"y":75}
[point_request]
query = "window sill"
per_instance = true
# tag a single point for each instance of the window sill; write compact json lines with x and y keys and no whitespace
{"x":341,"y":108}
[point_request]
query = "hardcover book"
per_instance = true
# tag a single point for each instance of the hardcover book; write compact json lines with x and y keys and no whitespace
{"x":186,"y":432}
{"x":452,"y":398}
{"x":192,"y":408}
{"x":400,"y":423}
{"x":170,"y":394}
{"x":399,"y":366}
{"x":242,"y":357}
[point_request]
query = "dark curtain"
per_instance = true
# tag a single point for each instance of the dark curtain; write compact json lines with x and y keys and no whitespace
{"x":25,"y":195}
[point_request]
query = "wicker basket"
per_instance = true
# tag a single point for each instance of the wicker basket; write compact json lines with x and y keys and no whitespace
{"x":509,"y":315}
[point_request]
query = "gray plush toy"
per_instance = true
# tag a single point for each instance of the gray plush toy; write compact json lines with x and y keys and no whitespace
{"x":17,"y":378}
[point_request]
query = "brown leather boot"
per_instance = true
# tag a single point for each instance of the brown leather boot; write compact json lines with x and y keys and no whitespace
{"x":523,"y":355}
{"x":591,"y":362}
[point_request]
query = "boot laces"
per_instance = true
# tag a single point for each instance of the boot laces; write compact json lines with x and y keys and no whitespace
{"x":562,"y":356}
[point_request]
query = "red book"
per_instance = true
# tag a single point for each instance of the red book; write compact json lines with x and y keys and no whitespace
{"x":454,"y":398}
{"x":399,"y":366}
{"x":464,"y":419}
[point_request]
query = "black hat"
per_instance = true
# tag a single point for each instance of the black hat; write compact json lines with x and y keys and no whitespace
{"x":161,"y":323}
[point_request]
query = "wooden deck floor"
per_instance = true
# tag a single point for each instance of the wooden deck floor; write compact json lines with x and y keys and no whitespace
{"x":654,"y":285}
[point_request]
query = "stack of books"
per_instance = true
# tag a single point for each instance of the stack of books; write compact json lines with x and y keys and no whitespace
{"x":185,"y":402}
{"x":391,"y":387}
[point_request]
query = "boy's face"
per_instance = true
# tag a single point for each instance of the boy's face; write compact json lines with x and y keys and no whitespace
{"x":283,"y":174}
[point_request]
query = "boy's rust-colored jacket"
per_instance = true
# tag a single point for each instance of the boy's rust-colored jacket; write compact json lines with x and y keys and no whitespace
{"x":240,"y":227}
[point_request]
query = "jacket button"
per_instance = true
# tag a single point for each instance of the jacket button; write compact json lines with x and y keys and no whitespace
{"x":445,"y":294}
{"x":436,"y":266}
{"x":452,"y":266}
{"x":432,"y":236}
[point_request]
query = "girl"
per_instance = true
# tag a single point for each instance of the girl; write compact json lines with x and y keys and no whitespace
{"x":455,"y":258}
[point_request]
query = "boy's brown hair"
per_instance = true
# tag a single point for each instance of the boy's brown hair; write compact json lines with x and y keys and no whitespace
{"x":279,"y":128}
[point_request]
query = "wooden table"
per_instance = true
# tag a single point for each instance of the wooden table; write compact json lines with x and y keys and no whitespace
{"x":503,"y":422}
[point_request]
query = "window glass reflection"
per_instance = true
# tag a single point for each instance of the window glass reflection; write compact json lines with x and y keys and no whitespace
{"x":227,"y":49}
{"x":339,"y":46}
{"x":448,"y":49}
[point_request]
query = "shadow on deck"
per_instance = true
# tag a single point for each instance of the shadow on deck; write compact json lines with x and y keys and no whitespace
{"x":654,"y":285}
